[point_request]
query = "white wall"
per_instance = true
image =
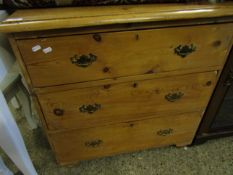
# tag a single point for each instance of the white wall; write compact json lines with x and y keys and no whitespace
{"x":6,"y":56}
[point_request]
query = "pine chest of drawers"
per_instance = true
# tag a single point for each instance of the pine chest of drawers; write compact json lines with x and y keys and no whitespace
{"x":109,"y":80}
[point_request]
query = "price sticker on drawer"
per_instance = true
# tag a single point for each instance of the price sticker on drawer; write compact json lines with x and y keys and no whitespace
{"x":47,"y":50}
{"x":36,"y":48}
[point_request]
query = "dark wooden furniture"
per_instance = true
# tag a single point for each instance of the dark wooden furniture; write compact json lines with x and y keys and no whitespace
{"x":218,"y":119}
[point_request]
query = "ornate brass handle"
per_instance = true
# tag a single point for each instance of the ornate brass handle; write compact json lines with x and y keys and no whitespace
{"x":185,"y":50}
{"x":172,"y":97}
{"x":93,"y":143}
{"x":165,"y":132}
{"x":90,"y":109}
{"x":83,"y":60}
{"x":58,"y":112}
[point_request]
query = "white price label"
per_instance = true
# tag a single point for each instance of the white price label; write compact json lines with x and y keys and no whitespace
{"x":36,"y":48}
{"x":47,"y":50}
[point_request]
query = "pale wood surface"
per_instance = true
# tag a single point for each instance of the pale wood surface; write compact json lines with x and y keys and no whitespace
{"x":65,"y":87}
{"x":72,"y":146}
{"x":125,"y":53}
{"x":120,"y":27}
{"x":127,"y":101}
{"x":43,"y":19}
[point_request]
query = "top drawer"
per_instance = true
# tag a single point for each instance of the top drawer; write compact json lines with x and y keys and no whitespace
{"x":78,"y":58}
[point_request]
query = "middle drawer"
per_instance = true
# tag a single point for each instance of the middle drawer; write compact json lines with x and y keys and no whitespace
{"x":105,"y":104}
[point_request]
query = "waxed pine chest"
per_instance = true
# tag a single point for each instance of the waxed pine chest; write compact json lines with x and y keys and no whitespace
{"x":116,"y":79}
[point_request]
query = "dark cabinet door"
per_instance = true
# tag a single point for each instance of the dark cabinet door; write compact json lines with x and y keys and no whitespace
{"x":218,"y":118}
{"x":224,"y":116}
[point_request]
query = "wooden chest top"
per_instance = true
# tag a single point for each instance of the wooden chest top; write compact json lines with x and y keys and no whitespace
{"x":61,"y":18}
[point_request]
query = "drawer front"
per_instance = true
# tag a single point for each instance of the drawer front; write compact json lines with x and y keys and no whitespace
{"x":79,"y":58}
{"x":102,"y":105}
{"x":82,"y":144}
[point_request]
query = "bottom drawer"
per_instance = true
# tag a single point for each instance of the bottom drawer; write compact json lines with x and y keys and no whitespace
{"x":75,"y":145}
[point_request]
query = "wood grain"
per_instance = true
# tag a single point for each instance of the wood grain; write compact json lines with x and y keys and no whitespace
{"x":133,"y":82}
{"x":125,"y":53}
{"x":120,"y":27}
{"x":126,"y":101}
{"x":65,"y":87}
{"x":44,"y":19}
{"x":76,"y":145}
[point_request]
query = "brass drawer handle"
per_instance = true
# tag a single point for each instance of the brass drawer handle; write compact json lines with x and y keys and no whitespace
{"x":185,"y":50}
{"x":165,"y":132}
{"x":90,"y":109}
{"x":172,"y":97}
{"x":83,"y":60}
{"x":93,"y":143}
{"x":58,"y":112}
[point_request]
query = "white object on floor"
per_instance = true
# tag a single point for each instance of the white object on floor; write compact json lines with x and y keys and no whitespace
{"x":11,"y":140}
{"x":3,"y":169}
